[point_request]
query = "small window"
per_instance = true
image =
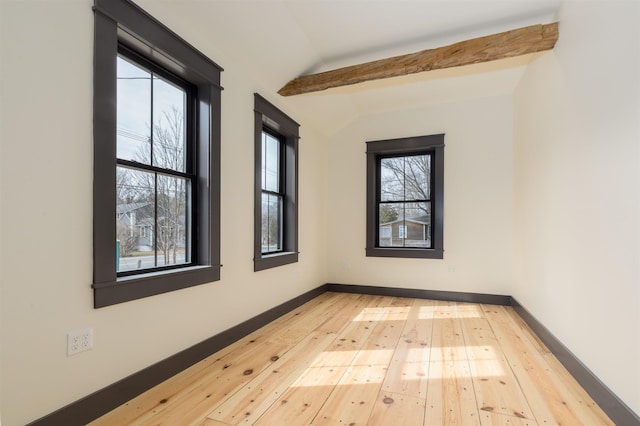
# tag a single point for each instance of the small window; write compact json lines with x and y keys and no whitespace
{"x":276,"y":175}
{"x":156,"y":199}
{"x":404,"y":197}
{"x":402,"y":231}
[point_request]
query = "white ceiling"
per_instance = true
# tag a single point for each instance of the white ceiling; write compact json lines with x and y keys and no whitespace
{"x":278,"y":40}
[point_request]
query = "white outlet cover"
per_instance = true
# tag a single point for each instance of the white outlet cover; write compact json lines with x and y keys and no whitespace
{"x":79,"y":341}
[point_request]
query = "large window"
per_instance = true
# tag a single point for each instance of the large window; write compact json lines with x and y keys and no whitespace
{"x":154,"y":173}
{"x":405,"y":197}
{"x":276,"y":208}
{"x":156,"y":158}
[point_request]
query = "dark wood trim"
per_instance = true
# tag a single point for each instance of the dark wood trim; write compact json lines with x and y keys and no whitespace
{"x":287,"y":130}
{"x":452,"y":296}
{"x":104,"y":150}
{"x":101,"y":402}
{"x":120,"y":23}
{"x":617,"y":410}
{"x":138,"y":286}
{"x":432,"y":144}
{"x":141,"y":25}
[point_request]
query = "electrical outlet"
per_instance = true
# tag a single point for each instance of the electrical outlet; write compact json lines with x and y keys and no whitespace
{"x":79,"y":341}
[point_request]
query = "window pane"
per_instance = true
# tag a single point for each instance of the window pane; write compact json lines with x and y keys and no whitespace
{"x":270,"y":163}
{"x":405,"y":178}
{"x":271,"y":223}
{"x":417,"y":219}
{"x":418,"y":177}
{"x":135,"y":222}
{"x":133,"y":112}
{"x":169,"y":131}
{"x":404,"y":225}
{"x":392,"y":179}
{"x":140,"y":245}
{"x":172,"y":239}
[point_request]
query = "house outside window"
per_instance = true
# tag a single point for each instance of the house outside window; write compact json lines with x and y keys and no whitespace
{"x":276,"y":186}
{"x":156,"y":158}
{"x":405,"y":197}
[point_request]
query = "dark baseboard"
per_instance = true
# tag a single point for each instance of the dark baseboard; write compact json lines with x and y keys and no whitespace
{"x":617,"y":410}
{"x":101,"y":402}
{"x":450,"y":296}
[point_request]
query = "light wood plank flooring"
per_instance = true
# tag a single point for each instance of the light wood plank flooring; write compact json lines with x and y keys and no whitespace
{"x":348,"y":359}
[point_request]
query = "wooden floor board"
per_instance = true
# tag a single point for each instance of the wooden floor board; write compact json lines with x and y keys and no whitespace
{"x":496,"y":387}
{"x":451,"y":399}
{"x":344,"y":359}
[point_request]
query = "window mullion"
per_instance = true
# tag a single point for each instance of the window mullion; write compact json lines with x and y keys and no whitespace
{"x":264,"y":160}
{"x":155,"y":220}
{"x":404,"y":200}
{"x":151,"y":113}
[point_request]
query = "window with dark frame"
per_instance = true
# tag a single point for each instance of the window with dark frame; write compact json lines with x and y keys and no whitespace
{"x":155,"y":167}
{"x":405,"y":197}
{"x":276,"y":175}
{"x":273,"y":195}
{"x":156,"y":158}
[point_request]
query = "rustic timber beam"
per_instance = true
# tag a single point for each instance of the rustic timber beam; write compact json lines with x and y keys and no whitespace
{"x":522,"y":41}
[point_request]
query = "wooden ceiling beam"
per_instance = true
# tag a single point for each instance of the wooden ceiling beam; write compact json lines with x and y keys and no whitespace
{"x":522,"y":41}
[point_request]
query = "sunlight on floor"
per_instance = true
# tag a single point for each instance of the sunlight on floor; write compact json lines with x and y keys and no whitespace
{"x":398,"y":313}
{"x":431,"y":363}
{"x":401,"y":313}
{"x":436,"y":312}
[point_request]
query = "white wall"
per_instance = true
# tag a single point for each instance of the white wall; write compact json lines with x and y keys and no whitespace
{"x":46,"y":172}
{"x":577,"y":190}
{"x":477,"y":199}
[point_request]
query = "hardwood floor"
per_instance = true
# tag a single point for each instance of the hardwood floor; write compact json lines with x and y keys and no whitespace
{"x":348,"y":359}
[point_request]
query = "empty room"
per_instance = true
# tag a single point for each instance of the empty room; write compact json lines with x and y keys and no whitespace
{"x":310,"y":212}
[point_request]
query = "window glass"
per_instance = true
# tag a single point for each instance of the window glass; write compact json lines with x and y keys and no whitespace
{"x":172,"y":244}
{"x":270,"y":163}
{"x":169,"y":131}
{"x":133,"y":112}
{"x":405,"y":178}
{"x":405,"y":205}
{"x":272,"y":196}
{"x":153,"y":200}
{"x":271,"y":223}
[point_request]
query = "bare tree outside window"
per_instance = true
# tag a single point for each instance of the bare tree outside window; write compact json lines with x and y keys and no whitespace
{"x":272,"y":194}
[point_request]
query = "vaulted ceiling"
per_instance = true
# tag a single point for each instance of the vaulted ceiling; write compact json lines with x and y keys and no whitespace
{"x":275,"y":41}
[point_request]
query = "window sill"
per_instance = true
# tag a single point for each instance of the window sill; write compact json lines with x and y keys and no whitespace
{"x":135,"y":287}
{"x":405,"y":253}
{"x":274,"y":260}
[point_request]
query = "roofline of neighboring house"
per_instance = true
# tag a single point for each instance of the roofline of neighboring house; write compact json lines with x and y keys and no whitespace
{"x":404,"y":220}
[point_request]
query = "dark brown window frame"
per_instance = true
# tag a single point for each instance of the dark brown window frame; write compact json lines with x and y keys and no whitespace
{"x":267,"y":116}
{"x":433,"y":144}
{"x":122,"y":23}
